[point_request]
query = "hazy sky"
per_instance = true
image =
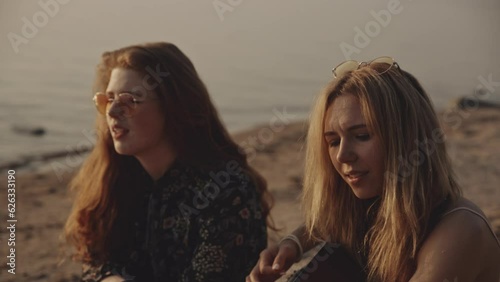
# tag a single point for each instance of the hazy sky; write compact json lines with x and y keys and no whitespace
{"x":268,"y":52}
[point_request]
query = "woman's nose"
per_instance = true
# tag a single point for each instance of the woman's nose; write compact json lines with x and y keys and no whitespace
{"x":114,"y":109}
{"x":346,"y":153}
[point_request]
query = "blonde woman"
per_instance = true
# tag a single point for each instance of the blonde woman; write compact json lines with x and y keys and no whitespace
{"x":165,"y":195}
{"x":378,"y":181}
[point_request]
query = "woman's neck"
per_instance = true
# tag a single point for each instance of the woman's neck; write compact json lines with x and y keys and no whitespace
{"x":157,"y":163}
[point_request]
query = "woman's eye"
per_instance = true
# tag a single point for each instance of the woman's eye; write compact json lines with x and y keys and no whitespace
{"x":334,"y":143}
{"x":363,"y":137}
{"x":129,"y":99}
{"x":133,"y":101}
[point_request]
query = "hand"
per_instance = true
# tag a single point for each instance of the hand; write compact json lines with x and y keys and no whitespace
{"x":274,"y":262}
{"x":114,"y":278}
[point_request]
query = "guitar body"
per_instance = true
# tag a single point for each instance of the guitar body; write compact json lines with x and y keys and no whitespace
{"x":331,"y":264}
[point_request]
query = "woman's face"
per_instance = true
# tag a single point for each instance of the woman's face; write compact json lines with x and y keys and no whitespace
{"x":355,"y":152}
{"x":141,"y":133}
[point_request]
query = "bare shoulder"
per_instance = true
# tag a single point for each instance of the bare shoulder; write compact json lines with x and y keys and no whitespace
{"x":461,"y":247}
{"x":468,"y":214}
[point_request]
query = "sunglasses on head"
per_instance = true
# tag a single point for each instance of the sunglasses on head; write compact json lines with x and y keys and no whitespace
{"x":126,"y":101}
{"x":384,"y":64}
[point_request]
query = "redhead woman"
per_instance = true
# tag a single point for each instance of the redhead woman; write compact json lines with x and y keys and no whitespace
{"x":166,"y":194}
{"x":378,"y":182}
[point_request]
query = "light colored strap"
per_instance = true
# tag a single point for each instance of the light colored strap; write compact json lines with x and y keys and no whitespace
{"x":297,"y":242}
{"x":478,"y":214}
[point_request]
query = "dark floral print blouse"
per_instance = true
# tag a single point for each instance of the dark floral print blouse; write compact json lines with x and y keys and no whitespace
{"x":193,"y":226}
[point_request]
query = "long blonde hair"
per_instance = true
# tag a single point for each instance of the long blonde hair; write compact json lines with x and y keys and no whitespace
{"x":99,"y":224}
{"x":418,"y":175}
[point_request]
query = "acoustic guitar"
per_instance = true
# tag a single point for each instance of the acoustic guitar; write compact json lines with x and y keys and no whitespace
{"x":332,"y":263}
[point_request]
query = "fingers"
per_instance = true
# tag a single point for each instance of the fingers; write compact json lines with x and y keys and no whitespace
{"x":286,"y":256}
{"x":273,"y":263}
{"x":257,"y":276}
{"x":266,"y":261}
{"x":263,"y":272}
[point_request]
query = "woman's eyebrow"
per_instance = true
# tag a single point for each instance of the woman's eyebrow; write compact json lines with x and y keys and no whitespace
{"x":351,"y":128}
{"x":133,"y":92}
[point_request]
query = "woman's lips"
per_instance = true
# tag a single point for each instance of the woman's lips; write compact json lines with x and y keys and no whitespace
{"x":118,"y":131}
{"x":355,"y":177}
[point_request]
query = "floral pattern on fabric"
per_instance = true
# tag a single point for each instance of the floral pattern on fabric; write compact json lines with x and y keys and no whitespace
{"x":194,"y":226}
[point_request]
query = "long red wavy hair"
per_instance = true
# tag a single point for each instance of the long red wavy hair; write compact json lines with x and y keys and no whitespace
{"x":97,"y":226}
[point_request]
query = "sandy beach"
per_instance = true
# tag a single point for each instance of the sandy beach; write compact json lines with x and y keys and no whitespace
{"x":43,"y":200}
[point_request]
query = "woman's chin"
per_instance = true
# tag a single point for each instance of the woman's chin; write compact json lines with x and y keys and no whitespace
{"x":123,"y":150}
{"x":364,"y":194}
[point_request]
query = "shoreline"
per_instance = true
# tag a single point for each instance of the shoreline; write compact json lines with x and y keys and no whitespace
{"x":454,"y":112}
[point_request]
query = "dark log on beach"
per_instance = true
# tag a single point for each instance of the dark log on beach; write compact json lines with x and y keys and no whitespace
{"x":29,"y":130}
{"x":468,"y":103}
